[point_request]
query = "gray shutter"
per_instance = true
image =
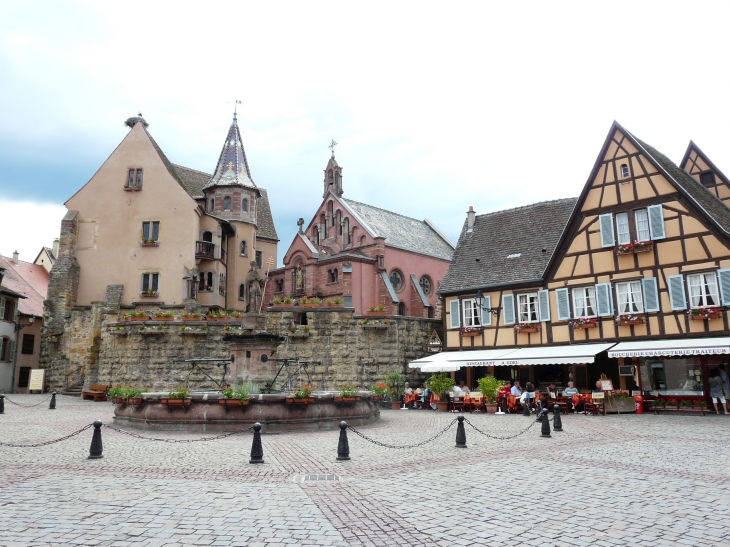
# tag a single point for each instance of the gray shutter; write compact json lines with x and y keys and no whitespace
{"x":651,"y":294}
{"x":455,"y":314}
{"x":543,"y":301}
{"x":562,"y":298}
{"x":656,"y":222}
{"x":604,"y":302}
{"x":676,"y":292}
{"x":2,"y":308}
{"x":508,"y":305}
{"x":11,"y":353}
{"x":348,"y":301}
{"x":724,"y":276}
{"x":487,"y":315}
{"x":606,"y":223}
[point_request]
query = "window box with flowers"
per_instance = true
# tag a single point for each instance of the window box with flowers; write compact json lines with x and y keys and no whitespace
{"x":471,"y":331}
{"x":194,"y":331}
{"x":286,"y":301}
{"x":149,"y":294}
{"x":161,"y":315}
{"x":117,"y":331}
{"x":335,"y":302}
{"x":302,"y":396}
{"x":234,"y":397}
{"x":214,"y":315}
{"x":135,"y":315}
{"x":626,"y":319}
{"x":192,"y":316}
{"x":527,"y":328}
{"x":584,"y":323}
{"x":376,"y":310}
{"x":374,"y":323}
{"x":299,"y":331}
{"x":310,"y":301}
{"x":149,"y":243}
{"x":635,"y":247}
{"x":177,"y":398}
{"x":702,"y":313}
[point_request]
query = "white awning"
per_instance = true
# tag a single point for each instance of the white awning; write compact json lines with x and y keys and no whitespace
{"x":429,"y":359}
{"x":479,"y":357}
{"x":557,"y":355}
{"x":440,"y":367}
{"x":666,"y":348}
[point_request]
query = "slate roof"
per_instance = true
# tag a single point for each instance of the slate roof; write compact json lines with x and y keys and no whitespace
{"x":400,"y":231}
{"x":715,"y":209}
{"x":264,"y":219}
{"x":193,"y":181}
{"x":529,"y":234}
{"x":232,"y":168}
{"x":30,"y":280}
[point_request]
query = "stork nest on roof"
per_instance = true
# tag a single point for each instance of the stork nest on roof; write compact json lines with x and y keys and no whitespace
{"x":130,"y":122}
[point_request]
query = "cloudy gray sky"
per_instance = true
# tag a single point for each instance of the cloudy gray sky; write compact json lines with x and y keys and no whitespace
{"x":436,"y":105}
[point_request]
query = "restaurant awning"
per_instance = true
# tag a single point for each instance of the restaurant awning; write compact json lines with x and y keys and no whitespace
{"x":666,"y":348}
{"x":573,"y":354}
{"x":429,"y":359}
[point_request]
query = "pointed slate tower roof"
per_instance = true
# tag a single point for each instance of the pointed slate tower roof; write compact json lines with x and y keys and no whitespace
{"x":232,"y":168}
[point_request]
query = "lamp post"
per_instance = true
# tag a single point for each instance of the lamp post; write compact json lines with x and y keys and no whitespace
{"x":19,"y":326}
{"x":479,"y":301}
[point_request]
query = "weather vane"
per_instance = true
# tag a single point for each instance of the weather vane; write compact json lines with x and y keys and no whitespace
{"x":332,"y":147}
{"x":237,"y":102}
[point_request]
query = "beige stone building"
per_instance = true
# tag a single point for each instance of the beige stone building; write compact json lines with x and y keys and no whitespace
{"x":167,"y":234}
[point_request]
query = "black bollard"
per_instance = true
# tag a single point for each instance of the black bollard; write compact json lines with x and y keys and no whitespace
{"x":257,"y":451}
{"x":460,"y":432}
{"x":557,"y":421}
{"x":52,"y":406}
{"x":504,"y":404}
{"x":2,"y":404}
{"x":96,"y":446}
{"x":545,"y":424}
{"x":343,"y":447}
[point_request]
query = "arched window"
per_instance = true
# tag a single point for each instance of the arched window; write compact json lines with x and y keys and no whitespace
{"x":396,"y":279}
{"x":332,"y":275}
{"x":347,"y":239}
{"x":208,"y":236}
{"x":338,"y":220}
{"x":401,"y":308}
{"x":330,"y":212}
{"x":244,"y":248}
{"x":624,"y":171}
{"x":241,"y":291}
{"x":226,"y":203}
{"x":315,"y":234}
{"x":244,"y":205}
{"x":362,"y":240}
{"x":426,"y":285}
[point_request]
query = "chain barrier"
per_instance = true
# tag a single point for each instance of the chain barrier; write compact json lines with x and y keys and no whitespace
{"x":500,"y":438}
{"x":223,"y":436}
{"x":402,"y":445}
{"x":35,"y":445}
{"x":27,"y":406}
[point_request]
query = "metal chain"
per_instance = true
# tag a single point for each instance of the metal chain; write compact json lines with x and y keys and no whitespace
{"x":176,"y":440}
{"x":47,"y":442}
{"x":499,"y":438}
{"x":404,"y":445}
{"x":27,"y":406}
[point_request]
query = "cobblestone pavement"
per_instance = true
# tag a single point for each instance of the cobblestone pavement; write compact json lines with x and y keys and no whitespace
{"x":616,"y":480}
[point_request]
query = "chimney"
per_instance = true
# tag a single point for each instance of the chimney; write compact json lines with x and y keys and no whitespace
{"x":15,"y":257}
{"x":55,"y":248}
{"x":470,"y":220}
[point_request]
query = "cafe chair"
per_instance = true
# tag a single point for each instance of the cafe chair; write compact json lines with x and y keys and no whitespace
{"x":457,"y":403}
{"x":595,"y":405}
{"x":476,"y":402}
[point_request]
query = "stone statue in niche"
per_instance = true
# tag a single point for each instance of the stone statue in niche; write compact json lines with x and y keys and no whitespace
{"x":300,"y":278}
{"x":255,"y":288}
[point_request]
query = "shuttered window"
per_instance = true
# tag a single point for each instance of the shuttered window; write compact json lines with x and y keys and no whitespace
{"x":724,"y":276}
{"x":486,"y":314}
{"x":622,"y":228}
{"x":508,"y":305}
{"x":642,"y":225}
{"x":471,"y":313}
{"x":543,"y":301}
{"x":703,"y":290}
{"x":656,"y":221}
{"x":629,"y":297}
{"x":676,"y":292}
{"x":651,"y":294}
{"x":454,"y":314}
{"x":606,"y":224}
{"x":604,"y":302}
{"x":584,"y":301}
{"x":561,"y":296}
{"x":527,"y":308}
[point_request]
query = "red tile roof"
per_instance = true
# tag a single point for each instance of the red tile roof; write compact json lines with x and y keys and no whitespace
{"x":30,"y":280}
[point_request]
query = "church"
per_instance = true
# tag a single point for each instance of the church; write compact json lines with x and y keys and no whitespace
{"x":364,"y":255}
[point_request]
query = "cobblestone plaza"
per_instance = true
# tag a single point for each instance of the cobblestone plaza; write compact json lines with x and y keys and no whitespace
{"x":617,"y":480}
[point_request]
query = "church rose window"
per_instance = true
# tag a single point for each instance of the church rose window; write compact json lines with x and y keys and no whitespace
{"x":396,"y":279}
{"x":425,"y":283}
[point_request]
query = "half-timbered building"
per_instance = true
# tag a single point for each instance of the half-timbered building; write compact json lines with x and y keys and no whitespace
{"x":630,"y":280}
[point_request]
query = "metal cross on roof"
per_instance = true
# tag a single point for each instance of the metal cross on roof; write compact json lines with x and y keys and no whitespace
{"x":332,"y":147}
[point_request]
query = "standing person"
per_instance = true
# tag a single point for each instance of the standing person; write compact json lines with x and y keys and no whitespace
{"x":716,"y":393}
{"x":725,"y":380}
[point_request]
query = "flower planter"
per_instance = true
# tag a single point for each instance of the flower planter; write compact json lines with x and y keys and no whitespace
{"x":309,"y":305}
{"x":164,"y":318}
{"x":627,"y":323}
{"x":216,"y":318}
{"x":335,"y":305}
{"x":376,"y":397}
{"x":139,"y":318}
{"x":152,"y":244}
{"x":134,"y":401}
{"x":150,"y":295}
{"x":173,"y":403}
{"x":151,"y":331}
{"x":710,"y":316}
{"x":347,"y":400}
{"x":298,"y":335}
{"x":644,"y":249}
{"x":395,"y":405}
{"x":368,"y":326}
{"x":528,"y":331}
{"x":471,"y":334}
{"x":232,"y":403}
{"x":625,"y":252}
{"x":586,"y":326}
{"x":193,"y":332}
{"x":492,"y":408}
{"x":293,"y":401}
{"x":443,"y":407}
{"x":191,"y":318}
{"x":119,"y":400}
{"x":376,"y":312}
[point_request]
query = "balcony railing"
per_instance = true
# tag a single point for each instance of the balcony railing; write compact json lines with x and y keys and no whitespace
{"x":204,"y":249}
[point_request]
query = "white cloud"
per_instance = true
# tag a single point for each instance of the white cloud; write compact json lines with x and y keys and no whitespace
{"x":26,"y":227}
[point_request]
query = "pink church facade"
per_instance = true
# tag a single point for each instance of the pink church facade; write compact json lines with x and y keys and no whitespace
{"x":364,"y":255}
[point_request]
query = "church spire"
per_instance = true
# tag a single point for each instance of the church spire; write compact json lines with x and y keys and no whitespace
{"x":232,"y":168}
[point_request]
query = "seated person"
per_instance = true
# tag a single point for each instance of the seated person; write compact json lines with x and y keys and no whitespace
{"x":456,"y":390}
{"x":505,"y":389}
{"x":425,"y":393}
{"x":463,"y":388}
{"x":419,"y":391}
{"x":570,"y":390}
{"x":516,"y":389}
{"x":597,"y":389}
{"x":528,"y":394}
{"x":409,"y":390}
{"x":552,"y":391}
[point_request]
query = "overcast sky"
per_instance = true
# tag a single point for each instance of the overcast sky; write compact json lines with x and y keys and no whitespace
{"x":436,"y":105}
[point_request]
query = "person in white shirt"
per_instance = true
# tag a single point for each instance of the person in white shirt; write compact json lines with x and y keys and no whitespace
{"x":409,"y":390}
{"x":516,"y":389}
{"x":463,"y":388}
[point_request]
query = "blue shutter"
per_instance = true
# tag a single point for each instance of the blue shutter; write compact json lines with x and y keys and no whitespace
{"x":724,"y":276}
{"x":603,"y":299}
{"x":676,"y":292}
{"x":656,"y":222}
{"x":543,"y":302}
{"x":561,"y":296}
{"x":651,"y":294}
{"x":508,"y":305}
{"x":455,"y":314}
{"x":486,"y":314}
{"x":606,"y":224}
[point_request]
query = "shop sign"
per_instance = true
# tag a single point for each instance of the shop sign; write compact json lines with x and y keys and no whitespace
{"x":669,"y":352}
{"x":492,"y":363}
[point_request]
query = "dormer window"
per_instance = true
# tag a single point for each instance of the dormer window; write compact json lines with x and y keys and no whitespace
{"x":134,"y":179}
{"x":624,"y":171}
{"x":707,"y":179}
{"x":226,"y":203}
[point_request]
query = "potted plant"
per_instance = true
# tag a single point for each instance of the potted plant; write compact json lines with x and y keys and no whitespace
{"x":624,"y":319}
{"x":440,"y":384}
{"x":309,"y":301}
{"x":526,"y":328}
{"x":299,"y":331}
{"x":164,"y":315}
{"x":237,"y":396}
{"x":234,"y":313}
{"x":375,"y":323}
{"x":335,"y":302}
{"x":396,"y":384}
{"x":179,"y":396}
{"x":302,"y":396}
{"x":139,"y":315}
{"x":191,"y":315}
{"x":376,"y":310}
{"x":216,"y":315}
{"x":643,"y":246}
{"x":117,"y":394}
{"x":584,"y":323}
{"x":286,"y":301}
{"x":489,"y":386}
{"x":624,"y":249}
{"x":378,"y":391}
{"x":471,"y":331}
{"x":148,"y":293}
{"x":133,"y":395}
{"x":149,"y":243}
{"x":348,"y":394}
